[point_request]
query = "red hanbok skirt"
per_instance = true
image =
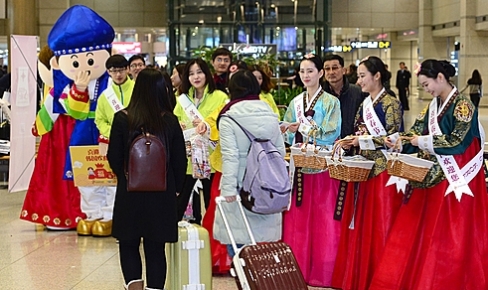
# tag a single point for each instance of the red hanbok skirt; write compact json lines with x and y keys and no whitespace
{"x":360,"y":247}
{"x":438,"y":242}
{"x":311,"y":231}
{"x":220,"y":258}
{"x":51,"y":200}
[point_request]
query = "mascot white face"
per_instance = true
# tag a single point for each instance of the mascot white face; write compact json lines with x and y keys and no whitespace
{"x":72,"y":64}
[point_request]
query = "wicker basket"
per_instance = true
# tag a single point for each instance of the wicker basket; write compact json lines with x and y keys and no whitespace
{"x":408,"y":167}
{"x":309,"y":156}
{"x":350,"y":169}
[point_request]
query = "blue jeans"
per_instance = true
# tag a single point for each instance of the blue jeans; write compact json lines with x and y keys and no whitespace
{"x":230,"y":249}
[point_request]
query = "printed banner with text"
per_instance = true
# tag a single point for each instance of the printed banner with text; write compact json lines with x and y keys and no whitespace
{"x":90,"y":168}
{"x":23,"y":98}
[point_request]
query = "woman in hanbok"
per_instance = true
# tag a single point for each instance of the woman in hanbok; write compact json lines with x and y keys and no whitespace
{"x":370,"y":206}
{"x":440,"y":237}
{"x":309,"y":227}
{"x":51,"y":200}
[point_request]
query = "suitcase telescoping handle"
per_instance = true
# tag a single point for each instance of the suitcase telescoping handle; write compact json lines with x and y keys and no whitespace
{"x":220,"y":200}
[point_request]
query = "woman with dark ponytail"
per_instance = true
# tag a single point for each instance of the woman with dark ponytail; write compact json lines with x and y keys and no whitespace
{"x":370,"y":207}
{"x":440,"y":237}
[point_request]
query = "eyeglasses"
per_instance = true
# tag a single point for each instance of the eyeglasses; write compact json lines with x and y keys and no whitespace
{"x":137,"y":65}
{"x":334,"y":68}
{"x":117,"y":71}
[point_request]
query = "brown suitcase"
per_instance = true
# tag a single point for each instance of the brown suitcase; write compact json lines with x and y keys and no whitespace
{"x":266,"y":266}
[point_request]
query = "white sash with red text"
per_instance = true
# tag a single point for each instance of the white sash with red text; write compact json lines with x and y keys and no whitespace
{"x":458,"y":178}
{"x":300,"y":110}
{"x":376,"y":129}
{"x":112,"y":99}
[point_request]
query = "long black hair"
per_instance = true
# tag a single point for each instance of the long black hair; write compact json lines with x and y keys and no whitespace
{"x":475,"y":78}
{"x":148,"y":103}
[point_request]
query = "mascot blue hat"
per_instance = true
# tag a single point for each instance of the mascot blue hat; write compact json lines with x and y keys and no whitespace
{"x":80,"y":29}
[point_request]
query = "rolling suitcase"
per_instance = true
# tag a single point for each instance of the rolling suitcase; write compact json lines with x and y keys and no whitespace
{"x":267,"y":266}
{"x":189,"y":259}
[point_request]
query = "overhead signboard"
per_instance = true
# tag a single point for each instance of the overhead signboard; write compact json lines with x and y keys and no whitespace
{"x":360,"y":45}
{"x":371,"y":44}
{"x":252,"y":49}
{"x":340,"y":48}
{"x":127,"y":47}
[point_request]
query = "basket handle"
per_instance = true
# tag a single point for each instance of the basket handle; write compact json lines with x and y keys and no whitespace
{"x":304,"y":144}
{"x":396,"y":148}
{"x":336,"y":147}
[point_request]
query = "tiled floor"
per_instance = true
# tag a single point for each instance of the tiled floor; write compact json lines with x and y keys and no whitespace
{"x":33,"y":258}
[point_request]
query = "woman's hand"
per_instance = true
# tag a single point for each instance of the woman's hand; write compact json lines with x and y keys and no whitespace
{"x":196,"y":121}
{"x":230,"y":198}
{"x":201,"y":128}
{"x":183,"y":126}
{"x":293,"y":127}
{"x":415,"y":140}
{"x":388,"y":142}
{"x":355,"y":141}
{"x":349,"y":141}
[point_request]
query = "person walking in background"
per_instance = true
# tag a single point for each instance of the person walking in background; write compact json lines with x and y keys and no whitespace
{"x":309,"y":227}
{"x":475,"y":88}
{"x":136,"y":64}
{"x":202,"y":96}
{"x":370,"y":207}
{"x":150,"y":216}
{"x":402,"y":84}
{"x":439,"y":238}
{"x":257,"y":117}
{"x":221,"y":60}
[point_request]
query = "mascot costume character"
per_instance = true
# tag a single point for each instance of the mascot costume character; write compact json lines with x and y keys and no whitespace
{"x":50,"y":200}
{"x":82,"y":40}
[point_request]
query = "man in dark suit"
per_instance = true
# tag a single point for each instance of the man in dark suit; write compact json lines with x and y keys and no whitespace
{"x":402,"y":84}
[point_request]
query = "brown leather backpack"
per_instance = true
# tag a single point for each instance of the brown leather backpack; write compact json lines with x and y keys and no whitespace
{"x":146,"y":170}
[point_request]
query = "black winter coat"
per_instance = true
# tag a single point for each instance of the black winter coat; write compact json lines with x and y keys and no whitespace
{"x":151,"y":215}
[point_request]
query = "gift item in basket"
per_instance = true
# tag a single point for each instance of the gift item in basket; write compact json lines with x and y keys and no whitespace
{"x":348,"y":168}
{"x":310,"y":156}
{"x":200,"y":157}
{"x":408,"y":167}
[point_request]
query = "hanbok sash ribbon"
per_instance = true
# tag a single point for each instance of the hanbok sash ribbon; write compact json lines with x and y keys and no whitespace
{"x":376,"y":129}
{"x":112,"y":99}
{"x":458,"y":178}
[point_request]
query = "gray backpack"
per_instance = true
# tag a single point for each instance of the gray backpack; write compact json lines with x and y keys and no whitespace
{"x":266,"y":188}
